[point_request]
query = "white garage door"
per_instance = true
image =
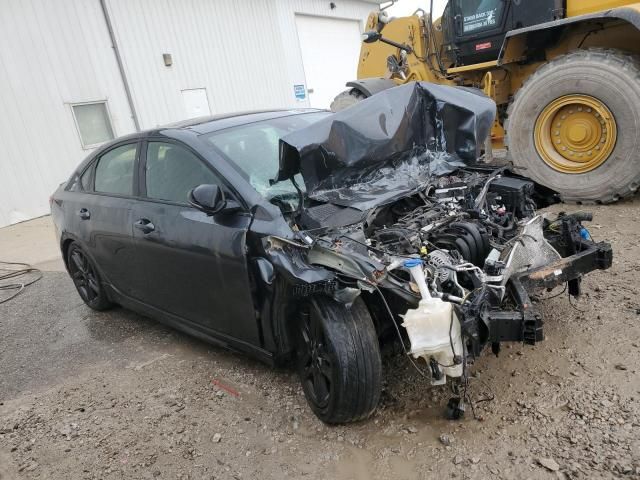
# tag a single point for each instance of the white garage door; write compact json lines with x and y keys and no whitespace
{"x":330,"y":52}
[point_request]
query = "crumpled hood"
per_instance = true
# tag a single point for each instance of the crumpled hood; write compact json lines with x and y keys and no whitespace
{"x":388,"y":145}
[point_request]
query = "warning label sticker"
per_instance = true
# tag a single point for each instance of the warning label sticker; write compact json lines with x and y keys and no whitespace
{"x":480,"y":21}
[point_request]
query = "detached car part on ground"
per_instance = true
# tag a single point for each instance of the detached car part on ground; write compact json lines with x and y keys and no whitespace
{"x":377,"y":227}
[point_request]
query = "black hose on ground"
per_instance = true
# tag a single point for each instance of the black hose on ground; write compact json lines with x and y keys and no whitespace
{"x":15,"y":277}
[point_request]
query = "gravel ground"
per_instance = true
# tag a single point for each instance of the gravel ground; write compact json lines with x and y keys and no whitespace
{"x":114,"y":395}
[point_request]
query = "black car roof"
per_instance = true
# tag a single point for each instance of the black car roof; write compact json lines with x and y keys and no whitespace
{"x":213,"y":123}
{"x":219,"y":122}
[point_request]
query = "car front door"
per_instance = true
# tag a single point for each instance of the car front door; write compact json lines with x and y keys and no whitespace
{"x":190,"y":264}
{"x":101,"y":212}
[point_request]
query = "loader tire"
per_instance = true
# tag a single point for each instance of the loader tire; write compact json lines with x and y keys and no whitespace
{"x":346,"y":99}
{"x":574,"y":126}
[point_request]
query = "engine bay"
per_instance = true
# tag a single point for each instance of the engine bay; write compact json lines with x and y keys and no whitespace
{"x":454,"y":264}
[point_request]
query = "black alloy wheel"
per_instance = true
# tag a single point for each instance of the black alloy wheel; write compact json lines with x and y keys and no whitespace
{"x":316,"y":364}
{"x":86,"y":279}
{"x":339,"y":360}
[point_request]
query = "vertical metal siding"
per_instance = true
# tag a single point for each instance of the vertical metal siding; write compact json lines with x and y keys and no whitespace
{"x":53,"y":53}
{"x":244,"y":52}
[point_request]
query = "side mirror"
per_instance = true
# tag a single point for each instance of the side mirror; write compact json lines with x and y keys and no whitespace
{"x":371,"y":36}
{"x":208,"y":198}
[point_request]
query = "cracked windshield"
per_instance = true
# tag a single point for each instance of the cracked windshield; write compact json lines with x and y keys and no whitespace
{"x":254,"y":150}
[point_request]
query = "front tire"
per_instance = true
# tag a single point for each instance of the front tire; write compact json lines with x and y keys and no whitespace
{"x":339,"y":360}
{"x":574,"y":126}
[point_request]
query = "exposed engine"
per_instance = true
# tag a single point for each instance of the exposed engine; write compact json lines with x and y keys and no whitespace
{"x":469,"y":214}
{"x":460,"y":228}
{"x":459,"y":255}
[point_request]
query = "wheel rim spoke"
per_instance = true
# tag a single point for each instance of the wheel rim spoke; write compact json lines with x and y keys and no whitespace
{"x":84,"y":292}
{"x":91,"y":281}
{"x":306,"y":331}
{"x":320,"y":387}
{"x":90,"y":294}
{"x":78,"y":260}
{"x":307,"y":366}
{"x":325,"y":369}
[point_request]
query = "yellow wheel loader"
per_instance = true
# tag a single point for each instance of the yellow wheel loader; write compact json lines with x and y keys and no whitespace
{"x":564,"y":74}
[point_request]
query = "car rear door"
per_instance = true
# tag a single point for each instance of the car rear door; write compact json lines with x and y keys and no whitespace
{"x":190,"y":264}
{"x":99,"y":211}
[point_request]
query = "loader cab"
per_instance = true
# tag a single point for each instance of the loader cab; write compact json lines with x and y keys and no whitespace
{"x":475,"y":29}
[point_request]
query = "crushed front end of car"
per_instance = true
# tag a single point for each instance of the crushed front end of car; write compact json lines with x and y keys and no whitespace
{"x":446,"y":252}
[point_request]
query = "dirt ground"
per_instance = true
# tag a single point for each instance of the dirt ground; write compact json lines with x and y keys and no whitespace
{"x":114,"y":395}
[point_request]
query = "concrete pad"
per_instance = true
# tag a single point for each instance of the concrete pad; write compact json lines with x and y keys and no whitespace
{"x":33,"y":242}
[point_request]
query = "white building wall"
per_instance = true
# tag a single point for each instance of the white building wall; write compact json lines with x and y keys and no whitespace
{"x":245,"y":53}
{"x":287,"y":9}
{"x":52,"y":54}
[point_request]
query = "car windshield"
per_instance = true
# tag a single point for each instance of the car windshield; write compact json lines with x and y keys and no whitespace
{"x":254,"y":150}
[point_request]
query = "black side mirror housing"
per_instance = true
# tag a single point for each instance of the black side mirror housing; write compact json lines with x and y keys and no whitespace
{"x":208,"y":198}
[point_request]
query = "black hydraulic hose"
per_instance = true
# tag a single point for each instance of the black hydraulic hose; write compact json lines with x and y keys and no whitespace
{"x":401,"y":46}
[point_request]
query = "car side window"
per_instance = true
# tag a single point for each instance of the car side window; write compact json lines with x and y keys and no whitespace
{"x":172,"y":171}
{"x":114,"y":171}
{"x":85,"y":180}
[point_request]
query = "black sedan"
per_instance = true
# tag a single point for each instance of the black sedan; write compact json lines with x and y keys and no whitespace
{"x":316,"y":237}
{"x":131,"y":234}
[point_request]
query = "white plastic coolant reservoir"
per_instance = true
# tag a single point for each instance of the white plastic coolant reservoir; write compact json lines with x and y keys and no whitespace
{"x":433,"y":328}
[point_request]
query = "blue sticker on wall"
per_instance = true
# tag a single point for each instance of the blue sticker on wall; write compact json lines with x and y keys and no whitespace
{"x":300,"y":92}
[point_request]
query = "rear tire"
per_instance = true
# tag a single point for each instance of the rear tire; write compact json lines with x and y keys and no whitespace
{"x":339,"y":360}
{"x":612,"y":78}
{"x":346,"y":99}
{"x":86,"y":279}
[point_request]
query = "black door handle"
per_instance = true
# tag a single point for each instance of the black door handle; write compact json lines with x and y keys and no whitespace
{"x":84,"y":214}
{"x":145,"y":225}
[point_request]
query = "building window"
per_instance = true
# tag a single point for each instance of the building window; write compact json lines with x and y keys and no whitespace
{"x":93,"y":122}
